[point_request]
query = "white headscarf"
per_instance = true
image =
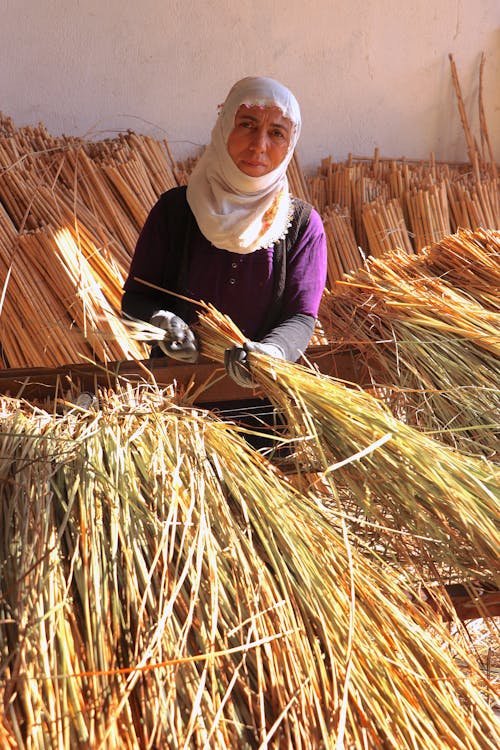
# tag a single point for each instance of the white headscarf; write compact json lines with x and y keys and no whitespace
{"x":229,"y":205}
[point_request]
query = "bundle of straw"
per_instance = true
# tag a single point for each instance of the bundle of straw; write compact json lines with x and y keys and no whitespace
{"x":385,"y":227}
{"x":470,"y":262}
{"x":433,"y":338}
{"x":401,"y":477}
{"x":428,"y":213}
{"x":343,"y":255}
{"x":60,"y":292}
{"x":166,"y":587}
{"x":71,"y":211}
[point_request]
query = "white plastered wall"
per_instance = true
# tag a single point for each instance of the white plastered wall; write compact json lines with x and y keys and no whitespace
{"x":368,"y":73}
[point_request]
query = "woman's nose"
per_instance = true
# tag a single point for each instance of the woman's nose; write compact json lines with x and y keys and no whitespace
{"x":259,"y":139}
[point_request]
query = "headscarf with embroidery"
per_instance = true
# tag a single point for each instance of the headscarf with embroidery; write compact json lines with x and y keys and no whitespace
{"x":235,"y":211}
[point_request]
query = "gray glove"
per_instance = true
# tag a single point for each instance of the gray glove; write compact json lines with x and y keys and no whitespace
{"x":236,"y":360}
{"x":180,"y":341}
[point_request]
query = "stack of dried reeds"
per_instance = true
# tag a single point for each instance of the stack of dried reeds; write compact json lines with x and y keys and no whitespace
{"x":343,"y":253}
{"x":409,"y":204}
{"x":167,"y":587}
{"x":406,"y":204}
{"x":60,"y":290}
{"x":70,"y":214}
{"x":378,"y":215}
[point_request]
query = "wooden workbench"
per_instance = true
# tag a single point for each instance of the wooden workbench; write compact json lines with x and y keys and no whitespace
{"x":206,"y":377}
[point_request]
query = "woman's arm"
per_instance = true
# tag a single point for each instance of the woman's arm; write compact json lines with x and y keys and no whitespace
{"x":305,"y":282}
{"x":292,"y":336}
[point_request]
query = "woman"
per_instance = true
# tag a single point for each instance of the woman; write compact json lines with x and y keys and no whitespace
{"x":235,"y":238}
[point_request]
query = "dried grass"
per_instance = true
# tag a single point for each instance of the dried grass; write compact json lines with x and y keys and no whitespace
{"x":167,"y":587}
{"x":427,"y":329}
{"x":408,"y":481}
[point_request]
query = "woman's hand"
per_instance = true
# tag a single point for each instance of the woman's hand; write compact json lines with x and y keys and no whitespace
{"x":180,"y":341}
{"x":236,"y":360}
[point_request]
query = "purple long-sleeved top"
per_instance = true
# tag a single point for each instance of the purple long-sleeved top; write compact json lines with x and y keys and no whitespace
{"x":240,"y":286}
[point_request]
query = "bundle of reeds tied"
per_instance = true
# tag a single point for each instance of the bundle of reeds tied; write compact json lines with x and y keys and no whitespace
{"x":427,"y":327}
{"x":70,"y":214}
{"x":61,"y":292}
{"x":162,"y":585}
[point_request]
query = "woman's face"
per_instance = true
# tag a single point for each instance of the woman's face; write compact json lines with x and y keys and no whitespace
{"x":259,"y":141}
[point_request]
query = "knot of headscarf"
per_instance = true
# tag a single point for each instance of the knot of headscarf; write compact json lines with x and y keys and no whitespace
{"x":235,"y":211}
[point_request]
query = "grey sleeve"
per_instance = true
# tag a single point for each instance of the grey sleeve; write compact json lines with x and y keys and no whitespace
{"x":292,"y":336}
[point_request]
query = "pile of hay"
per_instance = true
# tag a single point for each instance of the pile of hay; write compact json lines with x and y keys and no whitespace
{"x":163,"y":585}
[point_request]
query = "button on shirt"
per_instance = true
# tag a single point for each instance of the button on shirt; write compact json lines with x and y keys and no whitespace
{"x":240,"y":286}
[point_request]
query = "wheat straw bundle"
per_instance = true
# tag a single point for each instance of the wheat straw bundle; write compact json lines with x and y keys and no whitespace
{"x":95,"y":191}
{"x":71,"y":213}
{"x":167,"y":588}
{"x":385,"y":227}
{"x":157,"y":159}
{"x":343,"y":255}
{"x":428,"y":337}
{"x":468,"y":261}
{"x":446,"y":499}
{"x":428,"y":213}
{"x":474,"y":204}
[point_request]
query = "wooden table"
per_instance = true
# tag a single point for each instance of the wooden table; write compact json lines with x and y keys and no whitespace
{"x":47,"y":383}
